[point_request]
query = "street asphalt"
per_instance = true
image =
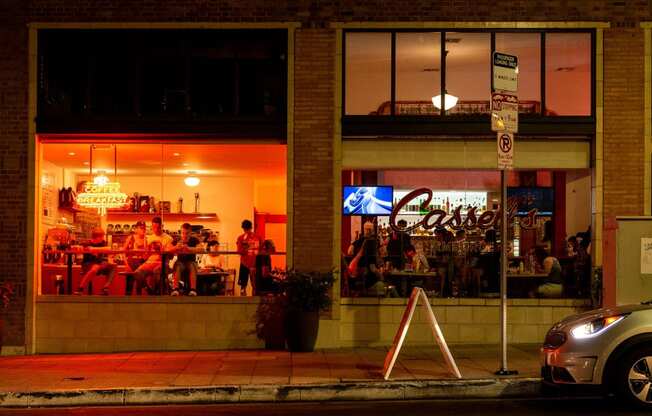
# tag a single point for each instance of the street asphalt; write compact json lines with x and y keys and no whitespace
{"x":558,"y":407}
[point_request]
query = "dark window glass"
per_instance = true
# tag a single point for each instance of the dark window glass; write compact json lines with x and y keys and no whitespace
{"x":468,"y":72}
{"x":568,"y":74}
{"x":418,"y":72}
{"x":212,"y":90}
{"x":368,"y":73}
{"x":527,"y":47}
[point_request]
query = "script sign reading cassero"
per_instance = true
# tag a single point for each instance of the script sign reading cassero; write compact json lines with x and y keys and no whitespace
{"x":440,"y":218}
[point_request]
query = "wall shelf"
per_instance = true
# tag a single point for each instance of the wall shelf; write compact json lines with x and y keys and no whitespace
{"x":147,"y":216}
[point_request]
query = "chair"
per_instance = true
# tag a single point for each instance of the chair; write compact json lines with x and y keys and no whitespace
{"x":229,"y":283}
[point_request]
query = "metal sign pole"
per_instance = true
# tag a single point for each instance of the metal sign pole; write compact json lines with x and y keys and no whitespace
{"x":504,"y":120}
{"x":504,"y":371}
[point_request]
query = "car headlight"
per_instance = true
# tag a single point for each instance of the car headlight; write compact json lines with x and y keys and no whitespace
{"x":595,"y":328}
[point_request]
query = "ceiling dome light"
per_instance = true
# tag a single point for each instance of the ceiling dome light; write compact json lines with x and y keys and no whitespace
{"x":449,"y":101}
{"x":191,"y":180}
{"x":101,"y":179}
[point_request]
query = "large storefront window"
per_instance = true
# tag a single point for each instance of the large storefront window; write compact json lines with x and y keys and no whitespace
{"x":157,"y":219}
{"x":393,"y":239}
{"x":560,"y":87}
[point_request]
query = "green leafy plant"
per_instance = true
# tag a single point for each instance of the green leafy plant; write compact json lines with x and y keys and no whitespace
{"x":6,"y":293}
{"x":308,"y":291}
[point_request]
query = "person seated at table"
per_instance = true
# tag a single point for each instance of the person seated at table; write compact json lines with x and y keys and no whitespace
{"x":398,"y":245}
{"x":186,"y":261}
{"x":551,"y":286}
{"x":95,"y":264}
{"x":213,"y":260}
{"x":136,"y":242}
{"x":147,"y":275}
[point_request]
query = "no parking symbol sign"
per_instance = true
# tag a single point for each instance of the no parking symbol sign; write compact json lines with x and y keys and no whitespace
{"x":505,"y":150}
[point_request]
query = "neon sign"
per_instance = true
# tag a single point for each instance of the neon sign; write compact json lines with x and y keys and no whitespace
{"x":102,"y":196}
{"x":440,"y":218}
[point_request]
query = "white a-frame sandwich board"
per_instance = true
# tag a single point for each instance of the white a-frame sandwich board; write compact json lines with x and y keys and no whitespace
{"x":392,"y":355}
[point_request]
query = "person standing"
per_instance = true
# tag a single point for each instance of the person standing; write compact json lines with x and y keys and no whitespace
{"x":398,"y":245}
{"x":148,"y":273}
{"x":248,"y":245}
{"x":186,"y":261}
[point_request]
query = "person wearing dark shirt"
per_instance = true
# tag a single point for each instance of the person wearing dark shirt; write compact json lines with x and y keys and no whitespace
{"x":367,"y":264}
{"x":186,"y":261}
{"x":582,"y":268}
{"x":398,"y":245}
{"x":95,"y":264}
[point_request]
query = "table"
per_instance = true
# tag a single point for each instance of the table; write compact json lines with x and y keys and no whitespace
{"x":165,"y":255}
{"x":204,"y":276}
{"x":520,"y":284}
{"x":404,"y":276}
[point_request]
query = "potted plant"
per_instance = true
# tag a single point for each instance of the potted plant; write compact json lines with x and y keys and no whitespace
{"x":6,"y":292}
{"x":306,"y":294}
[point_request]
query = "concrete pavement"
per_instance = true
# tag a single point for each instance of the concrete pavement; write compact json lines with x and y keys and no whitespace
{"x":253,"y":376}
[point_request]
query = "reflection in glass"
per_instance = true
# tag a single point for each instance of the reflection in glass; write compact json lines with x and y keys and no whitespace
{"x":527,"y":47}
{"x":368,"y":73}
{"x":468,"y":71}
{"x":418,"y":72}
{"x":568,"y":74}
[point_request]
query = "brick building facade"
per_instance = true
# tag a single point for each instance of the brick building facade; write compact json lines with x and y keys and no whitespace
{"x":315,"y":86}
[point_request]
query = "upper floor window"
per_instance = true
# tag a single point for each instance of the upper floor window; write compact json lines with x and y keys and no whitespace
{"x":431,"y":73}
{"x":144,"y":76}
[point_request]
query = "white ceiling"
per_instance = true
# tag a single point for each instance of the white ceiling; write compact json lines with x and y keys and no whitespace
{"x":258,"y":160}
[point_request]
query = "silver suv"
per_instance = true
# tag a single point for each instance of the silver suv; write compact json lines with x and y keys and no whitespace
{"x":611,"y":347}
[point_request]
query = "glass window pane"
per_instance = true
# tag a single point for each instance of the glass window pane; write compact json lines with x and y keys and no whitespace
{"x":418,"y":72}
{"x":527,"y":47}
{"x":368,"y":73}
{"x":468,"y":71}
{"x":568,"y":74}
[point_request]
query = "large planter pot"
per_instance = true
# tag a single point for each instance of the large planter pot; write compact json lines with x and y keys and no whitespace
{"x":302,"y":328}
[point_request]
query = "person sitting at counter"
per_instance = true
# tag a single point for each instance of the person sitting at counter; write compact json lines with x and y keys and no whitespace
{"x":212,"y":260}
{"x":186,"y":262}
{"x":95,"y":264}
{"x":135,"y":242}
{"x":551,"y":287}
{"x":147,"y":275}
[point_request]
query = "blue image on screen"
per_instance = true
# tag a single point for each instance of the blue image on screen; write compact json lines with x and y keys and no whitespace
{"x":529,"y":198}
{"x":367,"y":200}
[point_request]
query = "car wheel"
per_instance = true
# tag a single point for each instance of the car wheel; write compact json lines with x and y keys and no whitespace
{"x":634,"y":381}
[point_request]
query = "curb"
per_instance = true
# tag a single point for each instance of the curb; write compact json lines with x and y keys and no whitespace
{"x":392,"y":390}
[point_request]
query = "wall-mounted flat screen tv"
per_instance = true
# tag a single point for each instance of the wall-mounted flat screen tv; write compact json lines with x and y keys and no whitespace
{"x":367,"y":200}
{"x":529,"y":198}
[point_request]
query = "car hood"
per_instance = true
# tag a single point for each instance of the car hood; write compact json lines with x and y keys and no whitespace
{"x":599,"y":313}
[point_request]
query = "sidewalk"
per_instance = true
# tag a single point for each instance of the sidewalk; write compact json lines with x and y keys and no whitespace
{"x":259,"y":375}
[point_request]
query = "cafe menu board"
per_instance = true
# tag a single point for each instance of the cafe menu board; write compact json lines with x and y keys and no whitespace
{"x":49,"y":198}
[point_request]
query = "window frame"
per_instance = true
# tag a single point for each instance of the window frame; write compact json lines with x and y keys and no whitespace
{"x":443,"y":123}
